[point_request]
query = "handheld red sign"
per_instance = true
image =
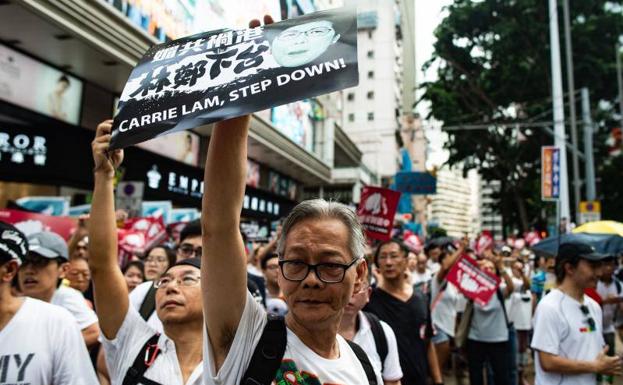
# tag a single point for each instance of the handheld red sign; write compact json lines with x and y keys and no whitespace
{"x":376,"y":211}
{"x":474,"y":283}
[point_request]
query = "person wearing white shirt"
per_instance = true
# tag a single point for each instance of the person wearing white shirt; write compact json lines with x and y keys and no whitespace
{"x":134,"y":352}
{"x":421,"y":273}
{"x":40,"y":343}
{"x":40,"y":277}
{"x":321,"y":263}
{"x":567,"y":323}
{"x":357,"y":326}
{"x":610,"y":290}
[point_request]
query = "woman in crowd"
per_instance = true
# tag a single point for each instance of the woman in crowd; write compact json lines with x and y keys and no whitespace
{"x":134,"y":274}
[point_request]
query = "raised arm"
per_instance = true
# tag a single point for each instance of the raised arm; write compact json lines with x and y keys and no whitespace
{"x":223,"y":265}
{"x":111,"y":292}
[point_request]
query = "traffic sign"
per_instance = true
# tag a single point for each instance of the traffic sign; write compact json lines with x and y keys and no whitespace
{"x":589,"y":211}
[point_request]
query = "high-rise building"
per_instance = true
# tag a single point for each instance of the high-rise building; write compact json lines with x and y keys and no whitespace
{"x":453,"y":208}
{"x":490,"y":217}
{"x":372,"y":110}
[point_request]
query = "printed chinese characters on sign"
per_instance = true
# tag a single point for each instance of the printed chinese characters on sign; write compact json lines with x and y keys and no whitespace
{"x":226,"y":73}
{"x":376,"y":211}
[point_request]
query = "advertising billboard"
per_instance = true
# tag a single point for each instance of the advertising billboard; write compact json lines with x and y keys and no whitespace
{"x":37,"y":86}
{"x":180,"y":146}
{"x":294,"y":121}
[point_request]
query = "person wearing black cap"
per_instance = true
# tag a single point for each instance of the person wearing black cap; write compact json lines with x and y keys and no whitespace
{"x":568,"y":324}
{"x":40,"y":343}
{"x":135,"y":353}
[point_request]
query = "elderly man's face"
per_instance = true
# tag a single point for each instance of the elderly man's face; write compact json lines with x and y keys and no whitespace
{"x":302,"y":44}
{"x":180,"y":300}
{"x":312,"y":303}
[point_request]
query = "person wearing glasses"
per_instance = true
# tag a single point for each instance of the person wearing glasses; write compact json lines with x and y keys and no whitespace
{"x":135,"y":353}
{"x":568,"y":340}
{"x":189,"y":245}
{"x":40,"y":343}
{"x":321,"y":263}
{"x":406,"y":311}
{"x":302,"y":44}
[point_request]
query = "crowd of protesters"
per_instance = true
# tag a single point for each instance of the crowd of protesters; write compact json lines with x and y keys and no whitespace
{"x":318,"y":304}
{"x":326,"y":302}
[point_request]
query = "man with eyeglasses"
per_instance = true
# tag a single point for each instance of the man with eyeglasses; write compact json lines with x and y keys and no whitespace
{"x":405,"y":309}
{"x":135,"y":353}
{"x":40,"y":277}
{"x":190,"y":241}
{"x":568,"y":341}
{"x":40,"y":343}
{"x":320,"y":256}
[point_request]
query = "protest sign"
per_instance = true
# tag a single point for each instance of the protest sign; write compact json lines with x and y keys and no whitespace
{"x":474,"y":283}
{"x":376,"y":211}
{"x":30,"y":223}
{"x":138,"y":235}
{"x":51,"y":205}
{"x":226,"y":73}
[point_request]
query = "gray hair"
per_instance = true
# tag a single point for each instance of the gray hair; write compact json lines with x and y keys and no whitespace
{"x":320,"y":208}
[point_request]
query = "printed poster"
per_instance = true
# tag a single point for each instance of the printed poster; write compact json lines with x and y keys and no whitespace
{"x":221,"y":74}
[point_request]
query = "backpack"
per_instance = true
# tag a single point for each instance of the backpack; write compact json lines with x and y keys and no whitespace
{"x":148,"y":306}
{"x":380,"y":340}
{"x":269,"y":352}
{"x":144,"y":359}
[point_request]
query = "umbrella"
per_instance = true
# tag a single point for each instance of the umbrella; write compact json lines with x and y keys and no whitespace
{"x":601,"y":227}
{"x":603,"y":243}
{"x":440,"y":241}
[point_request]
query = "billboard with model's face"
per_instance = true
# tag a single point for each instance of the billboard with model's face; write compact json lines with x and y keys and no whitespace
{"x":36,"y":86}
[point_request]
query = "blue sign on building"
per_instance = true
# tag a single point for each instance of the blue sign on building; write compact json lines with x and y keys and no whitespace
{"x":417,"y":183}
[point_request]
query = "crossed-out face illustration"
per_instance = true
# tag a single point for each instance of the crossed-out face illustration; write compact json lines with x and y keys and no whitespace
{"x":303,"y":43}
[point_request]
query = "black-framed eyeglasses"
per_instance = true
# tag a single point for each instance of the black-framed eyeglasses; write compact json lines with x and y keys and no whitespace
{"x":187,"y":250}
{"x":589,"y":320}
{"x":297,"y":271}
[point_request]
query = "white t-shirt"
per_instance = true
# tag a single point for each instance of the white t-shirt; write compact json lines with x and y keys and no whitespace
{"x":609,"y":311}
{"x":417,"y":277}
{"x":365,"y":339}
{"x":560,"y":328}
{"x":42,"y":345}
{"x":73,"y":301}
{"x":137,"y":296}
{"x":298,"y":361}
{"x":444,"y":306}
{"x":519,"y":306}
{"x":131,"y":337}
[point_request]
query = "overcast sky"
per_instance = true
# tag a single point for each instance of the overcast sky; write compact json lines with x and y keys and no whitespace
{"x":428,"y":14}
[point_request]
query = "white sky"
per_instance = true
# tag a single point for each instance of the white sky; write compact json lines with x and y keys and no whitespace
{"x":428,"y":14}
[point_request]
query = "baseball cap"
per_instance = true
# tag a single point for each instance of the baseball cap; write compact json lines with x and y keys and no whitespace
{"x":48,"y":245}
{"x":13,"y":243}
{"x":195,"y":262}
{"x":572,"y":250}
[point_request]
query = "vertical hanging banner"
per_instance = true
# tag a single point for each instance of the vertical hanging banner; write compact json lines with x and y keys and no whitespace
{"x":376,"y":211}
{"x":221,"y":74}
{"x":550,"y":173}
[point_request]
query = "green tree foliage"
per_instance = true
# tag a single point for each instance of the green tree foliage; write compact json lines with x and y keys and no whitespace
{"x":492,"y":59}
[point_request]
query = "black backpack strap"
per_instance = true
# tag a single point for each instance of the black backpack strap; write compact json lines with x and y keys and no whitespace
{"x":268,"y":353}
{"x":365,"y":362}
{"x":380,"y":339}
{"x":144,"y":359}
{"x":149,"y":303}
{"x":498,"y":292}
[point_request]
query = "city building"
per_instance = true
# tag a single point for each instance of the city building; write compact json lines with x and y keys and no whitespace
{"x":452,"y":208}
{"x":490,"y":216}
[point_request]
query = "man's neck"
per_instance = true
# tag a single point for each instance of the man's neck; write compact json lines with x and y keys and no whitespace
{"x":421,"y":272}
{"x":607,"y":279}
{"x":348,"y":325}
{"x":273,"y":289}
{"x":572,"y":290}
{"x":321,"y":339}
{"x":9,"y":305}
{"x":188,"y":339}
{"x":395,"y":285}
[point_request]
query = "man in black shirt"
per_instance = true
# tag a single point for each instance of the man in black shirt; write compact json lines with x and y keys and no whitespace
{"x":406,"y":310}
